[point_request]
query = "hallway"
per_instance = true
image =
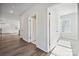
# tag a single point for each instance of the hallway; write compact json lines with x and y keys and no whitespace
{"x":39,"y":29}
{"x":12,"y":45}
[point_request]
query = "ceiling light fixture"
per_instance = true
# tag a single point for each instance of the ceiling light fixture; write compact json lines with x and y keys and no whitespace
{"x":11,"y":11}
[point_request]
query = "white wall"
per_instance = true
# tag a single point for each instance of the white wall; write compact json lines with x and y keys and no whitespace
{"x":42,"y":22}
{"x":12,"y":21}
{"x":78,"y":28}
{"x":41,"y":25}
{"x":10,"y":26}
{"x":60,"y":10}
{"x":65,"y":9}
{"x":73,"y":32}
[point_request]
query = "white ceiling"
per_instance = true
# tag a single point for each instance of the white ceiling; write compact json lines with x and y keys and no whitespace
{"x":13,"y":10}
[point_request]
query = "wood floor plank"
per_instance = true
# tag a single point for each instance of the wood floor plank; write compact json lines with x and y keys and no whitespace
{"x":12,"y":45}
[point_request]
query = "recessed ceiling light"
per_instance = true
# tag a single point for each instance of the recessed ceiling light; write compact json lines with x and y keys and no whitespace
{"x":11,"y":11}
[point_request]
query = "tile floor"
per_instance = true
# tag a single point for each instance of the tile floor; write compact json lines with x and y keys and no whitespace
{"x":63,"y":48}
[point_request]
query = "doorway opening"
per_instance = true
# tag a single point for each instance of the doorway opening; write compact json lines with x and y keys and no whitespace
{"x":32,"y":29}
{"x":62,"y":35}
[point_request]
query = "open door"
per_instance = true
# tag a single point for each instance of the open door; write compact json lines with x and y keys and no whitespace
{"x":63,"y":29}
{"x":53,"y":28}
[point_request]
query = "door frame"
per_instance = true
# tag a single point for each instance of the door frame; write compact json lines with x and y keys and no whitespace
{"x":29,"y":33}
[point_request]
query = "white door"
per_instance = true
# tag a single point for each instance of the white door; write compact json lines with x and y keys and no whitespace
{"x":53,"y":28}
{"x":32,"y":29}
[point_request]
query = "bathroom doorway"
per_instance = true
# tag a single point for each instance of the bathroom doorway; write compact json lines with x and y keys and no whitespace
{"x":63,"y":30}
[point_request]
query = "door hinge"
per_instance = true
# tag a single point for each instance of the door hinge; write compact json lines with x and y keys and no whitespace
{"x":49,"y":13}
{"x":49,"y":42}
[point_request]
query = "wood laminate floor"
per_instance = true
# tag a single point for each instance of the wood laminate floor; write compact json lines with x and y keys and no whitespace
{"x":12,"y":45}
